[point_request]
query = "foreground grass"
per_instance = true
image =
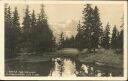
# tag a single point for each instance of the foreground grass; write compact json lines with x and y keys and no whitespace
{"x":103,"y":57}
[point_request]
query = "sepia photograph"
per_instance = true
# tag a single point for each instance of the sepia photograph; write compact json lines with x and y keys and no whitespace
{"x":64,"y":40}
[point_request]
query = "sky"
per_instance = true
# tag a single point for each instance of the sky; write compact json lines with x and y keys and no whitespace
{"x":65,"y":17}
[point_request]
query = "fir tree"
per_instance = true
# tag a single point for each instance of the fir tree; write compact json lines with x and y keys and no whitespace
{"x":87,"y":26}
{"x":92,"y":27}
{"x":79,"y":37}
{"x":16,"y":29}
{"x":9,"y":48}
{"x":33,"y":22}
{"x":121,"y":35}
{"x":114,"y":38}
{"x":12,"y":32}
{"x":120,"y":41}
{"x":69,"y":42}
{"x":96,"y":28}
{"x":26,"y":28}
{"x":33,"y":31}
{"x":61,"y":42}
{"x":54,"y":45}
{"x":44,"y":34}
{"x":106,"y":38}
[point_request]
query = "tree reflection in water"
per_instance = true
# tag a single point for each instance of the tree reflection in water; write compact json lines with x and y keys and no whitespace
{"x":62,"y":67}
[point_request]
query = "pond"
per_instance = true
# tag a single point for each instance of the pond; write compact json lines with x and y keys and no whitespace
{"x":61,"y":67}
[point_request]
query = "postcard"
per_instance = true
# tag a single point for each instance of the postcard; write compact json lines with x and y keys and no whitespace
{"x":63,"y":40}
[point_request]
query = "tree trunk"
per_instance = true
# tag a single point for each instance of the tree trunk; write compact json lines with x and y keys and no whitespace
{"x":94,"y":51}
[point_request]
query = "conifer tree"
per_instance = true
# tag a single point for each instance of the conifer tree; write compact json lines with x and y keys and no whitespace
{"x":91,"y":27}
{"x":33,"y":31}
{"x":79,"y":37}
{"x":16,"y":29}
{"x":106,"y":39}
{"x":12,"y":32}
{"x":61,"y":40}
{"x":114,"y":38}
{"x":121,"y":35}
{"x":26,"y":28}
{"x":72,"y":41}
{"x":87,"y":26}
{"x":44,"y":34}
{"x":120,"y":41}
{"x":54,"y":45}
{"x":8,"y":32}
{"x":33,"y":22}
{"x":96,"y":28}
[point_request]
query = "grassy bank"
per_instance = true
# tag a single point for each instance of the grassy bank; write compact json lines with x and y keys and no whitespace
{"x":103,"y":57}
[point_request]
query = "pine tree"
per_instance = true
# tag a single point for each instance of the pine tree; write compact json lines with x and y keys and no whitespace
{"x":27,"y":21}
{"x":87,"y":26}
{"x":106,"y":38}
{"x":120,"y":41}
{"x":114,"y":38}
{"x":79,"y":37}
{"x":117,"y":40}
{"x":8,"y":32}
{"x":69,"y":42}
{"x":26,"y":28}
{"x":72,"y":42}
{"x":33,"y":22}
{"x":96,"y":28}
{"x":61,"y":41}
{"x":66,"y":43}
{"x":54,"y":45}
{"x":44,"y":34}
{"x":12,"y":32}
{"x":33,"y":31}
{"x":16,"y":29}
{"x":92,"y":27}
{"x":121,"y":35}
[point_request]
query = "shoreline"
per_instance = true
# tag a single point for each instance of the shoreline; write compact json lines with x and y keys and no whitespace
{"x":101,"y":58}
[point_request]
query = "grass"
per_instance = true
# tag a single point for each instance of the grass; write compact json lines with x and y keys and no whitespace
{"x":104,"y":57}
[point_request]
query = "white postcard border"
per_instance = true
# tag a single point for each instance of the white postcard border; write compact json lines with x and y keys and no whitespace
{"x":2,"y":75}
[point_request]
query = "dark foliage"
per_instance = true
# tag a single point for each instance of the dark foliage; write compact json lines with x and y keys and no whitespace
{"x":105,"y":42}
{"x":35,"y":35}
{"x":12,"y":34}
{"x":89,"y":33}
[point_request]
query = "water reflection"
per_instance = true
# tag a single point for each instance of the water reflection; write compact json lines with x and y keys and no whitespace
{"x":61,"y":67}
{"x":85,"y":70}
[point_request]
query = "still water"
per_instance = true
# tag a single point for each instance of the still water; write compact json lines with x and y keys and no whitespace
{"x":61,"y":67}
